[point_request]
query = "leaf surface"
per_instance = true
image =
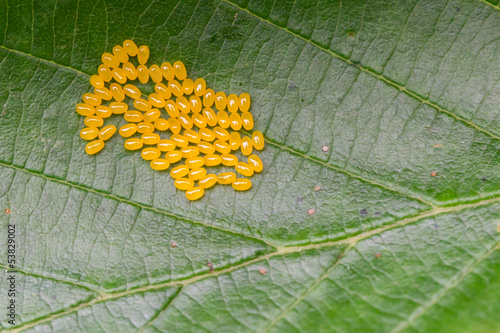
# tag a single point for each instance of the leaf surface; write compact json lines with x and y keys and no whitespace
{"x":377,"y":209}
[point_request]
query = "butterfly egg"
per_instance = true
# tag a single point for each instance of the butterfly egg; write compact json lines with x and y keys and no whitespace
{"x":156,"y":100}
{"x":130,"y":71}
{"x":206,"y":148}
{"x":133,"y":116}
{"x":119,"y":75}
{"x":188,"y":86}
{"x":150,"y":138}
{"x":185,"y":120}
{"x":209,"y":114}
{"x":105,"y":73}
{"x":222,"y":147}
{"x":93,"y":121}
{"x":179,"y":140}
{"x":171,"y":108}
{"x":127,"y":130}
{"x":130,"y":47}
{"x":221,"y":133}
{"x":104,"y":93}
{"x":226,"y":178}
{"x":206,"y":134}
{"x":183,"y":104}
{"x":194,"y":162}
{"x":120,"y":53}
{"x":223,"y":119}
{"x":235,"y":140}
{"x":208,"y":181}
{"x":85,"y":109}
{"x":163,"y":91}
{"x":212,"y":160}
{"x":220,"y":100}
{"x":142,"y":105}
{"x":199,"y":120}
{"x":244,"y":102}
{"x":199,"y":87}
{"x":179,"y":171}
{"x":229,"y":159}
{"x":152,"y":115}
{"x":179,"y":70}
{"x":183,"y":184}
{"x":118,"y":107}
{"x":173,"y":156}
{"x":190,"y":151}
{"x":91,"y":99}
{"x":242,"y":184}
{"x":110,"y":60}
{"x":160,"y":164}
{"x":132,"y":91}
{"x":155,"y":74}
{"x":192,"y":136}
{"x":236,"y":121}
{"x":133,"y":144}
{"x":167,"y":71}
{"x":117,"y":92}
{"x":208,"y":98}
{"x":96,"y":81}
{"x":197,"y":174}
{"x":245,"y":169}
{"x":195,"y":104}
{"x":232,"y":103}
{"x":143,"y":54}
{"x":94,"y":147}
{"x":175,"y":125}
{"x":145,"y":127}
{"x":258,"y":140}
{"x":150,"y":153}
{"x":107,"y":132}
{"x":143,"y":74}
{"x":195,"y":193}
{"x":89,"y":133}
{"x":161,"y":124}
{"x":255,"y":162}
{"x":175,"y":88}
{"x":247,"y":120}
{"x":165,"y":145}
{"x":103,"y":111}
{"x":246,"y":146}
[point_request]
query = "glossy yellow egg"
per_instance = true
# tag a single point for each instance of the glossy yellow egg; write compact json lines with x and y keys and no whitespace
{"x":246,"y":146}
{"x":195,"y":104}
{"x":142,"y":105}
{"x":192,"y":136}
{"x":235,"y":121}
{"x":105,"y":73}
{"x":107,"y":132}
{"x":156,"y":100}
{"x":143,"y":74}
{"x":133,"y":116}
{"x":185,"y":120}
{"x":222,"y":147}
{"x":132,"y":91}
{"x":118,"y":107}
{"x":179,"y":171}
{"x":223,"y":119}
{"x":120,"y":53}
{"x":94,"y":147}
{"x":145,"y":127}
{"x":183,"y":184}
{"x":206,"y":148}
{"x":245,"y":169}
{"x":208,"y":181}
{"x":229,"y":159}
{"x":244,"y":102}
{"x":93,"y":121}
{"x":173,"y":156}
{"x":209,"y":114}
{"x":167,"y":71}
{"x":208,"y":98}
{"x":183,"y":104}
{"x":85,"y":109}
{"x":150,"y":138}
{"x":155,"y":74}
{"x":128,"y":130}
{"x":258,"y":140}
{"x":179,"y":140}
{"x":179,"y":70}
{"x":117,"y":92}
{"x":235,"y":140}
{"x":195,"y":193}
{"x":91,"y":99}
{"x":199,"y":87}
{"x":220,"y":100}
{"x":130,"y":71}
{"x":255,"y":162}
{"x":152,"y":115}
{"x":221,"y":133}
{"x":175,"y":125}
{"x":133,"y":144}
{"x":242,"y":184}
{"x":197,"y":174}
{"x":104,"y":93}
{"x":150,"y":153}
{"x":206,"y":134}
{"x":161,"y":124}
{"x":160,"y":164}
{"x":89,"y":133}
{"x":247,"y":120}
{"x":166,"y":145}
{"x":188,"y":86}
{"x":226,"y":178}
{"x":162,"y":90}
{"x":110,"y":60}
{"x":212,"y":160}
{"x":232,"y":103}
{"x":103,"y":111}
{"x":143,"y":54}
{"x":190,"y":151}
{"x":199,"y":120}
{"x":175,"y":88}
{"x":119,"y":75}
{"x":194,"y":162}
{"x":130,"y":47}
{"x":96,"y":81}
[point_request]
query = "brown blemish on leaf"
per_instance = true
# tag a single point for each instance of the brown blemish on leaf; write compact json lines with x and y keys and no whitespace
{"x":7,"y":211}
{"x":317,"y":188}
{"x":210,"y":265}
{"x":437,"y":146}
{"x":326,"y":149}
{"x":310,"y":211}
{"x":262,"y":270}
{"x":434,"y":173}
{"x":173,"y":244}
{"x":377,"y":255}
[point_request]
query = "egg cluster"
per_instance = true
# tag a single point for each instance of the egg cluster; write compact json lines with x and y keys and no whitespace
{"x":196,"y":133}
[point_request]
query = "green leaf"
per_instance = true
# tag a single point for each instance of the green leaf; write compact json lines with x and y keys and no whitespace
{"x":381,"y":117}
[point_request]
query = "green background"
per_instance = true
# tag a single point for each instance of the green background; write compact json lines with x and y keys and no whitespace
{"x":395,"y":89}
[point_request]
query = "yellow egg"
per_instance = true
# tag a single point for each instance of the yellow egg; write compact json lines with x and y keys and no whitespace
{"x":133,"y":116}
{"x":150,"y":153}
{"x":118,"y":107}
{"x":104,"y":93}
{"x":190,"y":151}
{"x":236,"y":121}
{"x":192,"y":136}
{"x":179,"y":70}
{"x":105,"y":73}
{"x":235,"y":140}
{"x":222,"y":147}
{"x":96,"y":81}
{"x":194,"y":193}
{"x":91,"y":99}
{"x":120,"y":53}
{"x":133,"y":144}
{"x":145,"y":127}
{"x":175,"y":125}
{"x":220,"y":100}
{"x":103,"y":111}
{"x":241,"y":184}
{"x":179,"y":171}
{"x":232,"y":103}
{"x":185,"y":120}
{"x":166,"y":145}
{"x":226,"y":178}
{"x":212,"y":160}
{"x":179,"y":140}
{"x":117,"y":92}
{"x":246,"y":146}
{"x":132,"y":91}
{"x":223,"y":119}
{"x":199,"y":87}
{"x":199,"y":120}
{"x":162,"y":90}
{"x":119,"y":75}
{"x":247,"y":120}
{"x":188,"y":86}
{"x":107,"y":132}
{"x":183,"y":184}
{"x":244,"y":102}
{"x":194,"y":162}
{"x":128,"y":130}
{"x":155,"y":74}
{"x":208,"y":181}
{"x":255,"y":162}
{"x":195,"y":104}
{"x":143,"y":74}
{"x":229,"y":159}
{"x":93,"y":121}
{"x":173,"y":156}
{"x":142,"y":105}
{"x":206,"y":148}
{"x":244,"y":169}
{"x":167,"y":71}
{"x":156,"y":100}
{"x":89,"y":133}
{"x":160,"y":164}
{"x":171,"y":108}
{"x":183,"y":104}
{"x":209,"y":114}
{"x":221,"y":133}
{"x":161,"y":124}
{"x":258,"y":140}
{"x":143,"y":54}
{"x":152,"y":115}
{"x":85,"y":109}
{"x":110,"y":60}
{"x":197,"y":174}
{"x":150,"y":138}
{"x":94,"y":147}
{"x":208,"y":98}
{"x":130,"y":47}
{"x":175,"y":88}
{"x":130,"y":71}
{"x":206,"y":134}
